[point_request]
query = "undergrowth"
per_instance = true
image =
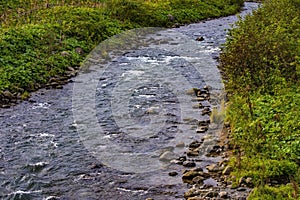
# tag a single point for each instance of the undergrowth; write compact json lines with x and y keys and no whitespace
{"x":261,"y":67}
{"x":43,"y":39}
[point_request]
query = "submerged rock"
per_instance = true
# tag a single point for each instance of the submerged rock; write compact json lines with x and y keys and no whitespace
{"x":167,"y":156}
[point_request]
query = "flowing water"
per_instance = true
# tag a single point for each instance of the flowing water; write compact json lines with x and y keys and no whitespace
{"x":103,"y":135}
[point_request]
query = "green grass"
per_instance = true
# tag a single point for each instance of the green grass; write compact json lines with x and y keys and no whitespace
{"x":273,"y":193}
{"x":38,"y":39}
{"x":261,"y":67}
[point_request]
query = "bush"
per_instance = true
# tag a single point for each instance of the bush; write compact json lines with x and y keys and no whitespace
{"x":260,"y":63}
{"x":263,"y":46}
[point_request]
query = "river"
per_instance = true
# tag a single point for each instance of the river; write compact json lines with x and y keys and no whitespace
{"x":104,"y":134}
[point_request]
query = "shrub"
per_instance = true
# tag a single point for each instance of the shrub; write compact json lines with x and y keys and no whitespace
{"x":263,"y":46}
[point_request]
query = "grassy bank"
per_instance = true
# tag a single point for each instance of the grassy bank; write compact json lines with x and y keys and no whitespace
{"x":43,"y":42}
{"x":261,"y":68}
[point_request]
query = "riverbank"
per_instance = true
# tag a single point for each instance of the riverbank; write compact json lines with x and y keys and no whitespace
{"x":260,"y":65}
{"x":43,"y":43}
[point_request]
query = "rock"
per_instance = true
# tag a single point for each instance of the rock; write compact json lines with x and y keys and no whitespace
{"x":177,"y":162}
{"x":224,"y":161}
{"x":58,"y":87}
{"x":204,"y":96}
{"x":215,"y":151}
{"x":202,"y":129}
{"x":8,"y":94}
{"x":227,"y":124}
{"x":200,"y":38}
{"x":173,"y":173}
{"x":206,"y":111}
{"x":249,"y":182}
{"x":180,"y":145}
{"x":149,"y":199}
{"x":5,"y":106}
{"x":223,"y":194}
{"x":191,"y":193}
{"x":227,"y":170}
{"x":65,"y":54}
{"x":213,"y":168}
{"x":198,"y":99}
{"x":201,"y":92}
{"x":204,"y":123}
{"x":71,"y":69}
{"x":167,"y":156}
{"x":189,"y":176}
{"x":182,"y":158}
{"x":152,"y":110}
{"x":79,"y":50}
{"x":191,"y":91}
{"x":171,"y":17}
{"x":198,"y":169}
{"x":211,"y":194}
{"x":96,"y":166}
{"x":207,"y":87}
{"x":189,"y":164}
{"x":198,"y":106}
{"x":195,"y":198}
{"x":176,"y":25}
{"x":198,"y":180}
{"x":195,"y":144}
{"x":192,"y":153}
{"x":242,"y":180}
{"x":51,"y":198}
{"x":37,"y":166}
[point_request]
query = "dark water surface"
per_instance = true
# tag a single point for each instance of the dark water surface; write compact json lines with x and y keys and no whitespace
{"x":43,"y":156}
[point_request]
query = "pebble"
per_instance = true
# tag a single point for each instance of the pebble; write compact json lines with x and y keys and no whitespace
{"x":180,"y":145}
{"x":189,"y":176}
{"x":189,"y":164}
{"x":182,"y":158}
{"x":195,"y":144}
{"x":173,"y":173}
{"x":223,"y":194}
{"x":192,"y":153}
{"x":213,"y":168}
{"x":200,"y":39}
{"x":167,"y":156}
{"x":202,"y":129}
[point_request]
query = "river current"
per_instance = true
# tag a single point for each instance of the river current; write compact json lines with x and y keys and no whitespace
{"x":104,"y":135}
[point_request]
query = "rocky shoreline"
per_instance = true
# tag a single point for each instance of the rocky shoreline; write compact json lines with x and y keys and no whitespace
{"x":8,"y":99}
{"x":212,"y":181}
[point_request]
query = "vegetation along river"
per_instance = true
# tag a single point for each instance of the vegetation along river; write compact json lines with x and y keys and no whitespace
{"x":113,"y":131}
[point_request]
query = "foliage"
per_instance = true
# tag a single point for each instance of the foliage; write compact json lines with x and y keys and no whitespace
{"x":261,"y":67}
{"x":157,"y":13}
{"x":38,"y":39}
{"x":263,"y":45}
{"x":273,"y":128}
{"x":272,"y":193}
{"x":32,"y":53}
